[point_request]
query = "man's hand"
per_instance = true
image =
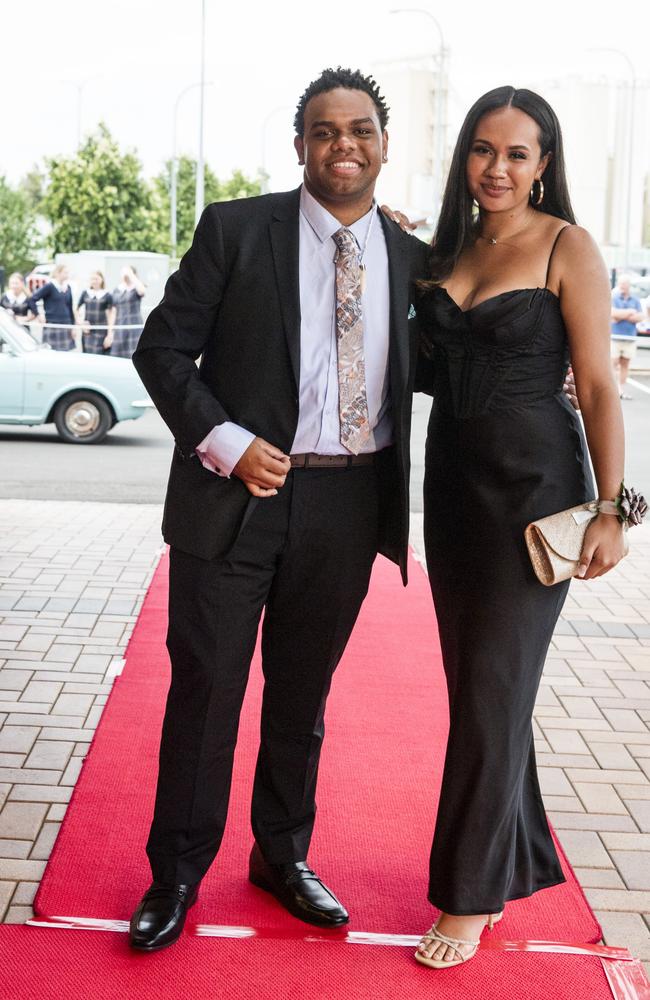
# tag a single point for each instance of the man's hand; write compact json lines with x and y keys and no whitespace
{"x":570,"y":389}
{"x":262,"y":468}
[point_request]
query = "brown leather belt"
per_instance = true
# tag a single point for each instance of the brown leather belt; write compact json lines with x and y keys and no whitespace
{"x":312,"y":461}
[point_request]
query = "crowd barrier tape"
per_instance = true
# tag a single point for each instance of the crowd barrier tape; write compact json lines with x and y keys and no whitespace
{"x":84,"y":325}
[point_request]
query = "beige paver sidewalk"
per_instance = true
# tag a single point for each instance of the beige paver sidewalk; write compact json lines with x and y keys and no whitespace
{"x":72,"y":578}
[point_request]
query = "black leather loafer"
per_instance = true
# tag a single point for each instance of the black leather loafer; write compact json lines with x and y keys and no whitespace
{"x":160,"y":917}
{"x":299,"y":890}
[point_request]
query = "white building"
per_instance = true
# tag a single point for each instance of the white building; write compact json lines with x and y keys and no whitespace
{"x":595,"y":115}
{"x":418,"y":133}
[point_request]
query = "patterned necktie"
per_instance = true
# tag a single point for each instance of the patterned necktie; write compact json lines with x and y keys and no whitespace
{"x":353,"y":404}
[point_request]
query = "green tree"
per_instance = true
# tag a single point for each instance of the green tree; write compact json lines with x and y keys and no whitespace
{"x":33,"y":187}
{"x":18,"y":233}
{"x":237,"y":186}
{"x":98,"y":199}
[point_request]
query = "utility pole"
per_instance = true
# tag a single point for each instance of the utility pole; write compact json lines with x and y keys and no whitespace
{"x":200,"y":166}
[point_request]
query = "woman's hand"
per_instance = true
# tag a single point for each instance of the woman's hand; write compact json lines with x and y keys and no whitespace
{"x":604,"y":546}
{"x":402,"y":220}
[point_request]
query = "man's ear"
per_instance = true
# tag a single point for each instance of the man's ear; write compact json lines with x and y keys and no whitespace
{"x":384,"y":146}
{"x":299,"y":146}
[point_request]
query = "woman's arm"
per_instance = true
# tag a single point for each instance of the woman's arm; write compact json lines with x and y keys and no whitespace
{"x":136,"y":283}
{"x":586,"y":306}
{"x":41,"y":294}
{"x":110,"y":322}
{"x":80,"y":315}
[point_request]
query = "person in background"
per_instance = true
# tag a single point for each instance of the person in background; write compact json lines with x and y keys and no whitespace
{"x":626,"y":313}
{"x":127,"y":316}
{"x":56,"y":297}
{"x":94,"y":315}
{"x":15,"y":299}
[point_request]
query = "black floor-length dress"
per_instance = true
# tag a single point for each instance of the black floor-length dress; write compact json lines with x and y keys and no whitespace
{"x":504,"y":447}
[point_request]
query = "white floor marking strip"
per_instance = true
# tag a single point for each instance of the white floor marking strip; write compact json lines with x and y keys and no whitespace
{"x":81,"y":924}
{"x":352,"y":937}
{"x":216,"y":930}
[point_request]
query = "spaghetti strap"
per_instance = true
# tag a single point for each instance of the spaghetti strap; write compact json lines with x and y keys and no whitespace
{"x":550,"y":256}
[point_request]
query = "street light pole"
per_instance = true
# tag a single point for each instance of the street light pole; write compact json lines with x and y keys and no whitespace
{"x":200,"y":168}
{"x":174,"y":167}
{"x":271,"y":114}
{"x":439,"y":112}
{"x":630,"y":151}
{"x":79,"y":86}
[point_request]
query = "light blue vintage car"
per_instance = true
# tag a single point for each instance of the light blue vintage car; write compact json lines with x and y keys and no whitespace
{"x":84,"y":395}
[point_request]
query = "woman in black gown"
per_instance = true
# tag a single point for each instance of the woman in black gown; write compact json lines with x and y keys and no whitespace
{"x":515,"y":290}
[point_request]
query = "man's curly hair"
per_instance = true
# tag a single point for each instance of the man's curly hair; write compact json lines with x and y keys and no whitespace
{"x":350,"y":79}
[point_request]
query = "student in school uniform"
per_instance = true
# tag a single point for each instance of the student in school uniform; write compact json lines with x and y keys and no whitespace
{"x":127,"y":298}
{"x":15,"y":299}
{"x":56,"y":297}
{"x":95,"y":316}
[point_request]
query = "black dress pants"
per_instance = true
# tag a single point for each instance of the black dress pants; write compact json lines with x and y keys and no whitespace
{"x":305,"y":556}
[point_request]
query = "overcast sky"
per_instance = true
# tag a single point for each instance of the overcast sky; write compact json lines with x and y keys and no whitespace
{"x":135,"y":56}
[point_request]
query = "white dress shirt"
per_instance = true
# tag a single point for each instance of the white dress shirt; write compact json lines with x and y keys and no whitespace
{"x":318,"y":427}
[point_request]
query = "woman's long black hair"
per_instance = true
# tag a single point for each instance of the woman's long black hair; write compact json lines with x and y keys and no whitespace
{"x":456,"y":227}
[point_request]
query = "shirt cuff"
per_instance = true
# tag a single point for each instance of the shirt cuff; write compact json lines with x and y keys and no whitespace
{"x":222,"y":448}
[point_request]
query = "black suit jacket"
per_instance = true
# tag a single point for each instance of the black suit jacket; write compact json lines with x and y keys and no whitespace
{"x":234,"y":302}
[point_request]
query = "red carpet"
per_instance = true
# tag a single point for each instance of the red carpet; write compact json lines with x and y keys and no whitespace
{"x":381,"y":769}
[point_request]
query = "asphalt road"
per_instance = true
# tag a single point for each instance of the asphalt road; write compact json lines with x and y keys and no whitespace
{"x":129,"y":466}
{"x":132,"y":463}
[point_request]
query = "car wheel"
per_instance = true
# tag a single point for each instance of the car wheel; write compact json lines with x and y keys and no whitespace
{"x":83,"y":418}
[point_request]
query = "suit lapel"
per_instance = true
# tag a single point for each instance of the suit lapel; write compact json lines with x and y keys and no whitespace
{"x":398,"y":277}
{"x":284,"y":232}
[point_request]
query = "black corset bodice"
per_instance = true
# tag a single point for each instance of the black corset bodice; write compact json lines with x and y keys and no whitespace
{"x":509,"y":350}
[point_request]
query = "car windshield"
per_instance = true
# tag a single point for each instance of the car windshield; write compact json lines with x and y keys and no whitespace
{"x":12,"y":333}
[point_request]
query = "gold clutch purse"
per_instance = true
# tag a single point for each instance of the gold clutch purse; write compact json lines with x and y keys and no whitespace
{"x":555,"y":542}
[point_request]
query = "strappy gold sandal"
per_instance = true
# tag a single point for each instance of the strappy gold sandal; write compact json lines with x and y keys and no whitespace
{"x":434,"y":936}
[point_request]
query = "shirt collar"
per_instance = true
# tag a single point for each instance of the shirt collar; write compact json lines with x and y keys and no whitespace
{"x":323,"y":222}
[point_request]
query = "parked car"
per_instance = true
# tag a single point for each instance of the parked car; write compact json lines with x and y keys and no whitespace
{"x":39,"y":276}
{"x":83,"y":395}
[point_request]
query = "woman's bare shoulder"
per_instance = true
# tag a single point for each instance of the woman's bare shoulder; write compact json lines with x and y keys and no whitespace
{"x":575,"y":238}
{"x":578,"y":263}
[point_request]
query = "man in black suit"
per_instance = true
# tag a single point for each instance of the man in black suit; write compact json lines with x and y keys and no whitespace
{"x":290,"y":473}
